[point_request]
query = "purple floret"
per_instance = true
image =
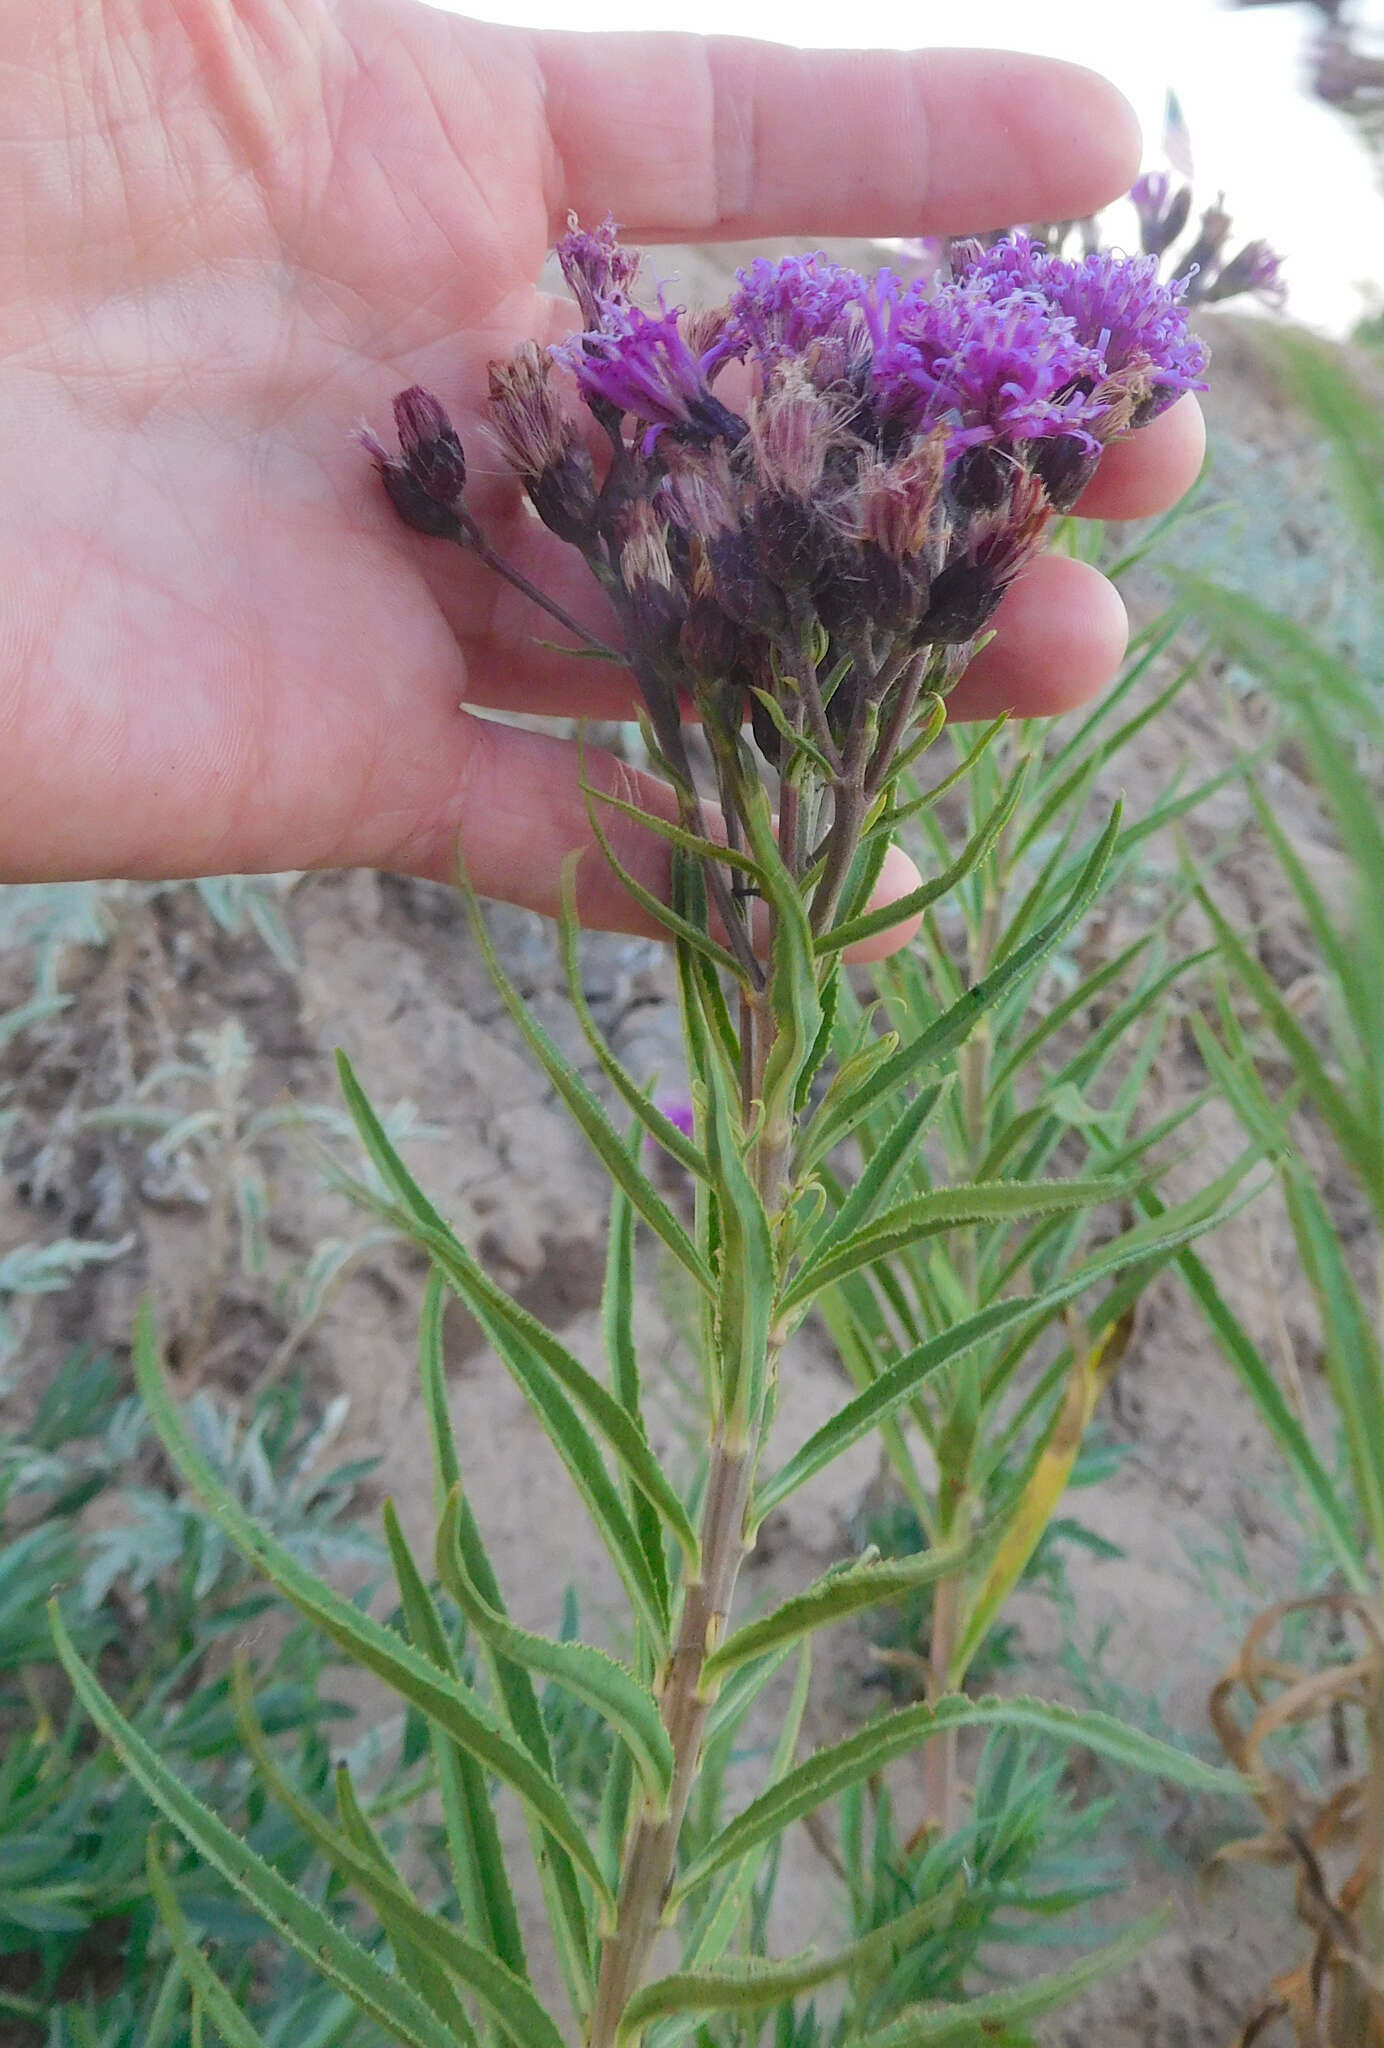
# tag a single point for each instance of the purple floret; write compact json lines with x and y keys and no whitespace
{"x":1119,"y":305}
{"x":989,"y":366}
{"x":779,"y":309}
{"x":641,"y":364}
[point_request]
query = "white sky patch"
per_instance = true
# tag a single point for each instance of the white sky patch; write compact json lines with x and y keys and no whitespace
{"x":1291,"y":169}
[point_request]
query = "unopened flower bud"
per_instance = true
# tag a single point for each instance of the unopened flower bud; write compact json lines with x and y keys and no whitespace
{"x":1202,"y":260}
{"x":426,"y":484}
{"x":1163,"y":213}
{"x":656,"y":603}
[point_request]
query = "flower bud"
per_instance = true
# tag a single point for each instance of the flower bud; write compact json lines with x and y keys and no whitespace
{"x":541,"y":443}
{"x":426,"y":486}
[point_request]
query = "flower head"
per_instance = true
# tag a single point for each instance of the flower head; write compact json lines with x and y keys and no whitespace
{"x":1118,"y":305}
{"x":989,"y":364}
{"x":1256,"y":268}
{"x":778,"y":309}
{"x":641,"y":364}
{"x":600,"y":272}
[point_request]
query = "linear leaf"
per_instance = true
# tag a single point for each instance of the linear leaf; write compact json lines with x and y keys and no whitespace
{"x":746,"y":1276}
{"x":752,"y":1984}
{"x":651,"y":1117}
{"x":492,"y":1306}
{"x":982,"y":2019}
{"x":588,"y":1673}
{"x":586,"y":1111}
{"x":922,"y":898}
{"x":925,"y":1215}
{"x":514,"y":1690}
{"x":478,"y":1863}
{"x":846,"y":1591}
{"x":402,"y":1668}
{"x":226,"y":2015}
{"x":346,"y":1853}
{"x":1257,"y":1378}
{"x":883,"y":1170}
{"x":860,"y":1755}
{"x":955,"y":1025}
{"x":326,"y":1946}
{"x":617,"y":1329}
{"x":1354,"y":1363}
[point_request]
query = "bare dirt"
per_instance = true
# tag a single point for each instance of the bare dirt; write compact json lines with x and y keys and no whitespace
{"x":388,"y":971}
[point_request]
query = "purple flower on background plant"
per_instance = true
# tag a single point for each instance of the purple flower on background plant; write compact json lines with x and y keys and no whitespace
{"x":679,"y":1112}
{"x":1163,"y":212}
{"x":641,"y":364}
{"x":1120,"y":308}
{"x":1255,"y":268}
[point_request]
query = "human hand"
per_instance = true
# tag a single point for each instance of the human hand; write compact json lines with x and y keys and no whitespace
{"x":235,"y":227}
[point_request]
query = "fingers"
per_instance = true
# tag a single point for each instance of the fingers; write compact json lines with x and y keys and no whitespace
{"x":687,"y":138}
{"x":1060,"y":637}
{"x":1147,"y":473}
{"x":517,"y":812}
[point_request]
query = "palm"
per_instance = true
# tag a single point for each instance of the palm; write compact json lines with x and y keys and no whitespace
{"x":237,"y":630}
{"x":239,"y":226}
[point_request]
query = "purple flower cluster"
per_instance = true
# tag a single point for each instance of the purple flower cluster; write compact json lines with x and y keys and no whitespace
{"x":856,"y":466}
{"x":1164,"y":210}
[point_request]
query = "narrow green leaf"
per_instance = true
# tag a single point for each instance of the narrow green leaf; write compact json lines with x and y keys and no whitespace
{"x":473,"y":1839}
{"x":493,"y":1308}
{"x":409,"y":1674}
{"x":617,"y":1328}
{"x":588,"y":1673}
{"x":678,"y":835}
{"x":651,"y":1117}
{"x":984,"y":2018}
{"x":923,"y":1216}
{"x":849,"y":1590}
{"x":956,"y":1024}
{"x":1358,"y":1144}
{"x":672,"y":921}
{"x":747,"y":1279}
{"x":885,"y":1167}
{"x":1354,"y":1362}
{"x":327,"y":1947}
{"x":514,"y":1692}
{"x":860,"y":1755}
{"x":223,"y":2010}
{"x":753,"y":1983}
{"x":922,"y":898}
{"x":586,"y":1111}
{"x":1259,"y":1382}
{"x":882,"y":1399}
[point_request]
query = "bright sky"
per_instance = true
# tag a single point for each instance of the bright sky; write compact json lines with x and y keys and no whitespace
{"x":1292,"y":170}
